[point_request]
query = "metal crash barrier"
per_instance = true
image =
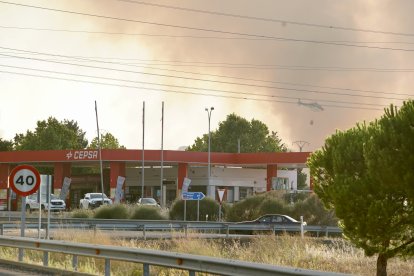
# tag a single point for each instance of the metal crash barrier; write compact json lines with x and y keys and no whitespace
{"x":191,"y":263}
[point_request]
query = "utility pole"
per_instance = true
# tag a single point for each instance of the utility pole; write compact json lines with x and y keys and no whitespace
{"x":301,"y":144}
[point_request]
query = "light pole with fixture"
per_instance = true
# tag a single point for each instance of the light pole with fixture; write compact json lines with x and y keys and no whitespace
{"x":209,"y":142}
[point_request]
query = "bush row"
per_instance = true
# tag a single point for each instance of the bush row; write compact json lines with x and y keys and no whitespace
{"x":295,"y":205}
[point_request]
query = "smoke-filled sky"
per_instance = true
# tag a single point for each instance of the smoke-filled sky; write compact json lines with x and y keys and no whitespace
{"x":304,"y":68}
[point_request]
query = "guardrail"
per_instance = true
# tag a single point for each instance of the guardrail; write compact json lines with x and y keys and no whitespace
{"x":162,"y":225}
{"x":192,"y":263}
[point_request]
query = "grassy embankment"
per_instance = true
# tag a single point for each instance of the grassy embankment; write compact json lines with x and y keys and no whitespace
{"x":292,"y":251}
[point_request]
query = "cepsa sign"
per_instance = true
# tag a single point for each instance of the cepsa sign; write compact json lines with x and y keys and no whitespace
{"x":82,"y":155}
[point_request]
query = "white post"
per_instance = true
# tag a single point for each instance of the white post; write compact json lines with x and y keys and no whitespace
{"x":301,"y":226}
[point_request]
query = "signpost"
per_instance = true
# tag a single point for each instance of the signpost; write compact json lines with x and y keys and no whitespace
{"x":192,"y":196}
{"x":221,"y":196}
{"x":24,"y":180}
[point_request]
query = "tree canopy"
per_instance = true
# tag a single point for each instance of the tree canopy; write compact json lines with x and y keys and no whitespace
{"x":366,"y":175}
{"x":6,"y":145}
{"x":254,"y":137}
{"x":108,"y":141}
{"x":51,"y":134}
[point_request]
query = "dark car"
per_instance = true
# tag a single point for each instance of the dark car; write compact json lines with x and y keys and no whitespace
{"x":268,"y":222}
{"x":276,"y":219}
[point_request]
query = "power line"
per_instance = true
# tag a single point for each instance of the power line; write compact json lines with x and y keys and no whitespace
{"x":232,"y":77}
{"x":195,"y":36}
{"x":172,"y":91}
{"x":283,"y":21}
{"x":224,"y":76}
{"x":175,"y":63}
{"x":186,"y":87}
{"x":233,"y":65}
{"x":181,"y":77}
{"x":207,"y":30}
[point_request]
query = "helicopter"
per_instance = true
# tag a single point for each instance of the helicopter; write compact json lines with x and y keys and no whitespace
{"x":314,"y":106}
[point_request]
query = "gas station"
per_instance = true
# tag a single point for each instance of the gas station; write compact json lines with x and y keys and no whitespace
{"x":241,"y":174}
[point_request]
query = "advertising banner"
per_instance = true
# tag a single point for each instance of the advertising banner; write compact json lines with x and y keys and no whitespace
{"x":65,"y":188}
{"x":186,"y":183}
{"x":119,"y":192}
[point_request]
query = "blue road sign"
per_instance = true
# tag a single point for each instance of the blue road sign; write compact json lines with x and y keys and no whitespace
{"x":193,"y":196}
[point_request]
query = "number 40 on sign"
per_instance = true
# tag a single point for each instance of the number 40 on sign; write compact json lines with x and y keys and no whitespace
{"x":24,"y":180}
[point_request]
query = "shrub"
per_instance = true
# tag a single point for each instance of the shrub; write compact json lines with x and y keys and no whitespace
{"x":247,"y":209}
{"x":295,"y":197}
{"x":273,"y":206}
{"x":147,"y":213}
{"x":311,"y":208}
{"x":116,"y":211}
{"x":208,"y":206}
{"x":313,"y":212}
{"x":81,"y":213}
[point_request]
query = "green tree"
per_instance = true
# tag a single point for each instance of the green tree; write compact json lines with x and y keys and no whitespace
{"x":51,"y":134}
{"x":254,"y":136}
{"x":6,"y":145}
{"x":301,"y":180}
{"x":365,"y":175}
{"x":108,"y":141}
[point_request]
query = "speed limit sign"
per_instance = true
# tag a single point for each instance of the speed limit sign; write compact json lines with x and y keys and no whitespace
{"x":24,"y":180}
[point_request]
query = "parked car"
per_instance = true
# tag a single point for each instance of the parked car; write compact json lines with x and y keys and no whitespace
{"x":56,"y":204}
{"x":93,"y":200}
{"x":149,"y":201}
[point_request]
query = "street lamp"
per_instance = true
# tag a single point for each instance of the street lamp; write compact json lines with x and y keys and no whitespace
{"x":209,"y":140}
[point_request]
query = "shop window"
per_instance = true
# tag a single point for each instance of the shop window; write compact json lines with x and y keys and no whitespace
{"x":245,"y":192}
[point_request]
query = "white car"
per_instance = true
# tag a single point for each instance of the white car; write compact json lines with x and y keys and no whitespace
{"x":93,"y":200}
{"x":148,"y":201}
{"x":56,"y":204}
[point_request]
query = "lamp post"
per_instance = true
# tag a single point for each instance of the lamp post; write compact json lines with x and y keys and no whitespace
{"x":209,"y":140}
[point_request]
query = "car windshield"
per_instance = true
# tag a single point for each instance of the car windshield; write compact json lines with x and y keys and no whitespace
{"x":291,"y":219}
{"x":148,"y":201}
{"x":98,"y":196}
{"x":44,"y":199}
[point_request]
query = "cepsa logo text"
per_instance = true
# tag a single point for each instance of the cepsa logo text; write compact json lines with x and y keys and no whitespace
{"x":83,"y":155}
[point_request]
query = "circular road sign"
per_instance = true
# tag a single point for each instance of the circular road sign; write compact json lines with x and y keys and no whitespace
{"x":24,"y":180}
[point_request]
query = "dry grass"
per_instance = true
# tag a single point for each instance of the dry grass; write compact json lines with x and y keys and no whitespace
{"x":337,"y":255}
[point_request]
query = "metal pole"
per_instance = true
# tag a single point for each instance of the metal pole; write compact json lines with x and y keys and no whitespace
{"x":185,"y":210}
{"x":220,"y":212}
{"x":100,"y":152}
{"x":107,"y":267}
{"x":198,"y":210}
{"x":143,"y":143}
{"x":39,"y":199}
{"x":209,"y":145}
{"x":22,"y":226}
{"x":162,"y":155}
{"x":49,"y":191}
